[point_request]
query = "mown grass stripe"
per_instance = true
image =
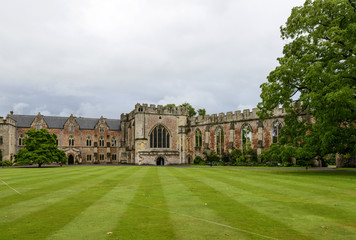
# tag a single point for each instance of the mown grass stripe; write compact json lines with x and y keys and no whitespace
{"x":310,"y":194}
{"x":43,"y":199}
{"x":236,"y":214}
{"x":32,"y":226}
{"x":102,"y":216}
{"x":189,"y":214}
{"x":142,"y":222}
{"x":280,"y":207}
{"x":31,"y":184}
{"x":303,"y":178}
{"x":52,"y":184}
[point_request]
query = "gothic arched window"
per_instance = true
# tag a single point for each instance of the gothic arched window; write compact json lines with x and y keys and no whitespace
{"x":71,"y":128}
{"x":276,"y":131}
{"x":159,"y":137}
{"x":219,"y":141}
{"x":21,"y":143}
{"x":246,"y":133}
{"x":71,"y":141}
{"x":89,"y":142}
{"x":101,"y":141}
{"x":198,"y":138}
{"x":113,"y":142}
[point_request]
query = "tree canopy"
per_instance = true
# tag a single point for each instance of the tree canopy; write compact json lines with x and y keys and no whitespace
{"x":317,"y":76}
{"x":190,"y":108}
{"x":40,"y":147}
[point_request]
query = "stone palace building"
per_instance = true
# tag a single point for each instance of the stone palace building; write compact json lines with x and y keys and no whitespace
{"x":149,"y":135}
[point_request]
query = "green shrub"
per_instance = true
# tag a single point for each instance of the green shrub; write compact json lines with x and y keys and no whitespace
{"x":198,"y":160}
{"x":6,"y":163}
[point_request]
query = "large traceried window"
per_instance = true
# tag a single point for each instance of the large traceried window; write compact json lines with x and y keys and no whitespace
{"x":198,"y":138}
{"x":159,"y":137}
{"x":219,"y":141}
{"x":276,"y":131}
{"x":246,"y":133}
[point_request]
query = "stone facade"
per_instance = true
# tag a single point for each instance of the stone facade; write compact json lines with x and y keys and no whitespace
{"x":84,"y":140}
{"x":149,"y":135}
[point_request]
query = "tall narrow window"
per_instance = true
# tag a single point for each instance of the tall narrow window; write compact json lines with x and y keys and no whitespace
{"x":1,"y":140}
{"x":198,"y":138}
{"x":39,"y":126}
{"x":101,"y":128}
{"x":71,"y":141}
{"x":21,"y":143}
{"x":276,"y":131}
{"x":88,"y":141}
{"x":246,"y":133}
{"x":101,"y":141}
{"x":71,"y":128}
{"x":219,"y":141}
{"x":113,"y":142}
{"x":159,"y":137}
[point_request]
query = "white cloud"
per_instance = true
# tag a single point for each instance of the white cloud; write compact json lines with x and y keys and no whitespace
{"x":94,"y":58}
{"x":20,"y":107}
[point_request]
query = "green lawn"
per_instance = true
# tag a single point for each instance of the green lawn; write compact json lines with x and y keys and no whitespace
{"x":114,"y":202}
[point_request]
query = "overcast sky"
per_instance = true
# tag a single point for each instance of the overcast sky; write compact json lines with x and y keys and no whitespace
{"x":98,"y":58}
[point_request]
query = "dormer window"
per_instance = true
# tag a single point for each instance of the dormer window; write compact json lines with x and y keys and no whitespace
{"x":101,"y":128}
{"x":39,"y":126}
{"x":71,"y":127}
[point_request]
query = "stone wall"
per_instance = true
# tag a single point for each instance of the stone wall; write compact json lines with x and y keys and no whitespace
{"x":8,"y":138}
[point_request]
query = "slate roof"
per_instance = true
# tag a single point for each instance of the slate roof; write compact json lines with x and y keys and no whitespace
{"x":58,"y":122}
{"x":23,"y":120}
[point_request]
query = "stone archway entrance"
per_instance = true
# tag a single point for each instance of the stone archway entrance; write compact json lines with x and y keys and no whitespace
{"x":70,"y":160}
{"x":160,"y":161}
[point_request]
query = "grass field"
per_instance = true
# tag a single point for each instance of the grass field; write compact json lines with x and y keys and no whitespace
{"x":112,"y":202}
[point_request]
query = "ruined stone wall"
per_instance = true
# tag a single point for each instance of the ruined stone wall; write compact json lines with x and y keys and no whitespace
{"x":232,"y":124}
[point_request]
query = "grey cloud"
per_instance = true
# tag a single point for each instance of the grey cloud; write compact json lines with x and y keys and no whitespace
{"x":94,"y":58}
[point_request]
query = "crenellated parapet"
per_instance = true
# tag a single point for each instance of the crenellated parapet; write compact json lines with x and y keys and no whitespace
{"x":154,"y":110}
{"x":8,"y":121}
{"x":245,"y":115}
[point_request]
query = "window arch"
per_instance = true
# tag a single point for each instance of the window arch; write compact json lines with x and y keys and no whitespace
{"x":219,"y":141}
{"x":246,"y":133}
{"x":198,"y":138}
{"x":101,"y":141}
{"x":277,"y":126}
{"x":89,"y":141}
{"x":101,"y":129}
{"x":71,"y":141}
{"x":113,"y":142}
{"x":21,"y":138}
{"x":159,"y":137}
{"x":71,"y":127}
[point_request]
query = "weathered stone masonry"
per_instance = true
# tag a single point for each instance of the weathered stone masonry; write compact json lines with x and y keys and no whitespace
{"x":149,"y":135}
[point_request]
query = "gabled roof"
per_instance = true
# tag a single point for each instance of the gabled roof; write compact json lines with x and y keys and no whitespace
{"x":113,"y":124}
{"x":55,"y":122}
{"x":23,"y":120}
{"x":87,"y":123}
{"x":58,"y":122}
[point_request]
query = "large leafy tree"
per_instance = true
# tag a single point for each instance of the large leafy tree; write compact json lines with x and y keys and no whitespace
{"x":40,"y":147}
{"x":317,"y":76}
